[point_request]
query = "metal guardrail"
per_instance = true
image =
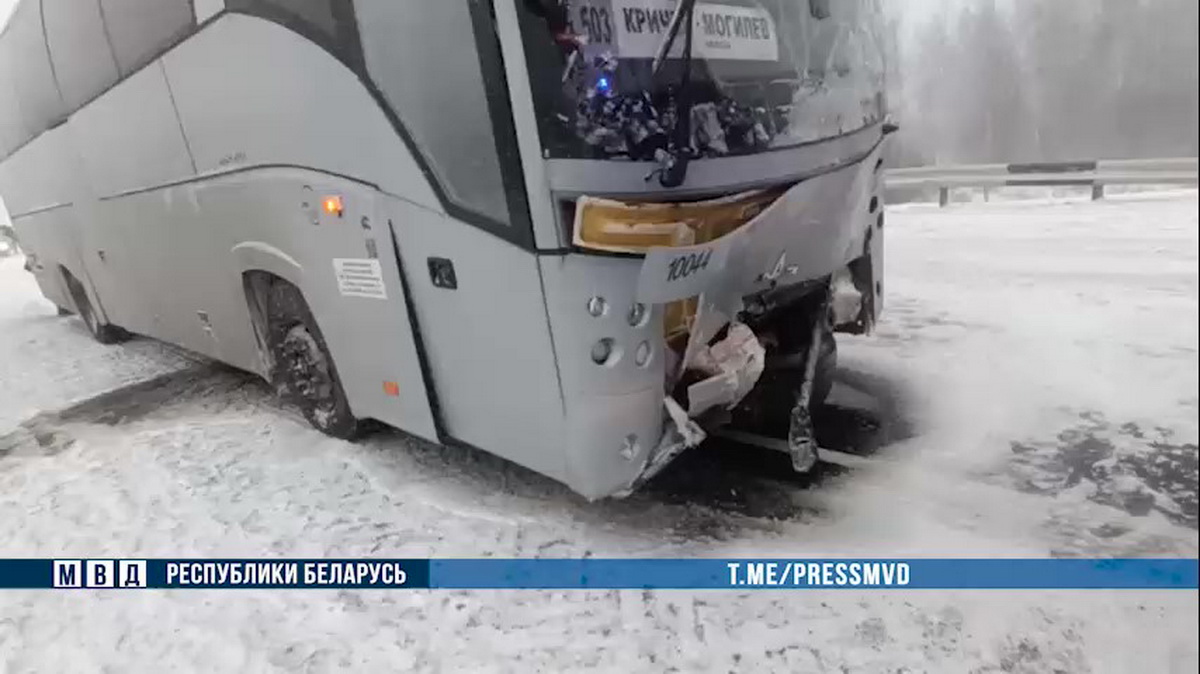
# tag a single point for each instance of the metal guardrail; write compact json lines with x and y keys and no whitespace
{"x":1096,"y":174}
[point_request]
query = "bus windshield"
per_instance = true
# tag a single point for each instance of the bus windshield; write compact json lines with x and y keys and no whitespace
{"x":762,"y":74}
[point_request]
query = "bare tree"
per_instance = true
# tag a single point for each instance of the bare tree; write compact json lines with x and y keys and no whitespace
{"x":1049,"y":80}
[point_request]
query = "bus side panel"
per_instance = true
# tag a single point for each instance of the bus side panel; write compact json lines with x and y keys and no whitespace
{"x":252,"y":93}
{"x":488,"y":343}
{"x":38,"y":194}
{"x":130,"y":140}
{"x":40,"y":235}
{"x":272,"y":221}
{"x":174,"y":261}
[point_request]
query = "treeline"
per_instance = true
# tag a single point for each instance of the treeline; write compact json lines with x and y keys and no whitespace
{"x":1046,"y":80}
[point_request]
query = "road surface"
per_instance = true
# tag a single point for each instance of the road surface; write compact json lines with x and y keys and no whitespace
{"x":1032,"y":391}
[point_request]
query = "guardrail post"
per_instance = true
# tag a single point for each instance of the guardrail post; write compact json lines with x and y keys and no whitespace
{"x":943,"y":196}
{"x":1097,"y":192}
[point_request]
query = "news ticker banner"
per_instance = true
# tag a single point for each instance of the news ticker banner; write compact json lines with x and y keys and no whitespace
{"x":558,"y":574}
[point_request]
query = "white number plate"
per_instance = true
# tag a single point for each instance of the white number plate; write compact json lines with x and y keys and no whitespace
{"x":670,"y":274}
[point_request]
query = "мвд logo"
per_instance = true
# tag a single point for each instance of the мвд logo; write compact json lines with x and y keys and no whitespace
{"x":99,"y":573}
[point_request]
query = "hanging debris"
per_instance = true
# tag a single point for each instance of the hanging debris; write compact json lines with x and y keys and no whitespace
{"x":733,"y":364}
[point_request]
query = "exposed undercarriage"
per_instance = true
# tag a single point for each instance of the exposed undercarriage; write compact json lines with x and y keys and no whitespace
{"x":781,"y":352}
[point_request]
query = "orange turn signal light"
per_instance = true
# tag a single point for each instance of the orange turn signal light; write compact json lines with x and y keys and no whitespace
{"x":332,"y":206}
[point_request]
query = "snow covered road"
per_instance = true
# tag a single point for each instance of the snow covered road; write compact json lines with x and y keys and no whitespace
{"x":1035,"y":384}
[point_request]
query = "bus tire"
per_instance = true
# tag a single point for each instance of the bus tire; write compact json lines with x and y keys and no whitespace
{"x":105,"y":333}
{"x":302,"y":369}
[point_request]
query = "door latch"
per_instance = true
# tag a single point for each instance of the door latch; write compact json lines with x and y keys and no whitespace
{"x":441,"y":272}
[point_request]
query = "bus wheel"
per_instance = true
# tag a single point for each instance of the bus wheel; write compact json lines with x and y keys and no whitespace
{"x":105,"y":333}
{"x":303,"y":369}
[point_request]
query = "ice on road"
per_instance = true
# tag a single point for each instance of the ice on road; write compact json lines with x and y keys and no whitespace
{"x":1036,"y":372}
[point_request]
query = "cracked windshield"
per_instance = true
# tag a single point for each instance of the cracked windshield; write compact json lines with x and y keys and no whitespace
{"x":618,"y":79}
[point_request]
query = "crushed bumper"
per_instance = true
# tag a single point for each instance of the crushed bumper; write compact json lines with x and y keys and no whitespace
{"x":679,"y":433}
{"x":734,"y":365}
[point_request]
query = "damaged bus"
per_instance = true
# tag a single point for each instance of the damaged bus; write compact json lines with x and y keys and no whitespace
{"x":578,"y":234}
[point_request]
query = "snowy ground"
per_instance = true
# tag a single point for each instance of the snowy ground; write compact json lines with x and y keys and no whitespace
{"x":1035,"y":387}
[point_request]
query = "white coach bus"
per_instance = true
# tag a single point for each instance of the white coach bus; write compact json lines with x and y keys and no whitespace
{"x":578,"y":234}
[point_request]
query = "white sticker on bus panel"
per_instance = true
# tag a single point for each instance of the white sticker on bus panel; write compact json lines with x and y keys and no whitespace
{"x":736,"y":33}
{"x":359,"y":278}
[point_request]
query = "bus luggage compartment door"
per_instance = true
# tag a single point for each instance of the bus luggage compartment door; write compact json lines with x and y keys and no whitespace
{"x":370,"y":329}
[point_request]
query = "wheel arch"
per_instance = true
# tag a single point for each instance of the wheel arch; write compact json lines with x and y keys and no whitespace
{"x":257,"y":285}
{"x":263,"y":288}
{"x":261,"y":266}
{"x":95,"y":319}
{"x":65,"y":277}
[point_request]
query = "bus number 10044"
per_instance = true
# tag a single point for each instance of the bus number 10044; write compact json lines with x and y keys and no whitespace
{"x":686,"y":265}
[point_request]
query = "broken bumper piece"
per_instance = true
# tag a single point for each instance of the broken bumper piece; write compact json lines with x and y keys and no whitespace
{"x":734,"y":365}
{"x":679,"y":433}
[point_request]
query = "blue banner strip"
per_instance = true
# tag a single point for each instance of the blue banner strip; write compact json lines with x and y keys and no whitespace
{"x":815,"y":574}
{"x":986,"y":574}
